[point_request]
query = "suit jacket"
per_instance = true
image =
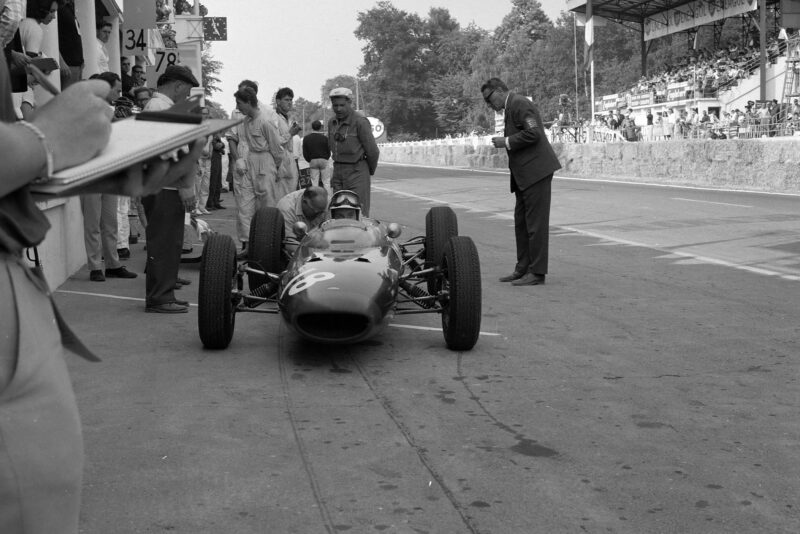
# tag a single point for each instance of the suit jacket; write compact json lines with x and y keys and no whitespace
{"x":530,"y":156}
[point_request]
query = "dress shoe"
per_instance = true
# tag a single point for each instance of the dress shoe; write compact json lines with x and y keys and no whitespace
{"x":516,"y":275}
{"x":120,"y":272}
{"x":97,"y":276}
{"x":168,"y":307}
{"x":124,"y":253}
{"x":183,"y":281}
{"x":182,"y":302}
{"x":219,"y":206}
{"x":529,"y":279}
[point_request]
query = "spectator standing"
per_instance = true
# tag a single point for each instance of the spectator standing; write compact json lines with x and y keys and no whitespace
{"x":166,"y":210}
{"x":11,"y":13}
{"x":102,"y":35}
{"x":203,"y":181}
{"x":628,"y":126}
{"x":215,"y":181}
{"x":127,"y":79}
{"x":303,"y":173}
{"x":317,"y":153}
{"x":353,"y":147}
{"x":122,"y":109}
{"x":70,"y":44}
{"x":40,"y":13}
{"x":288,"y":172}
{"x":532,"y":163}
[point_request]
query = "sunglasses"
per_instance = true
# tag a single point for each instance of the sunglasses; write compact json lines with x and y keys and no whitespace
{"x":488,"y":97}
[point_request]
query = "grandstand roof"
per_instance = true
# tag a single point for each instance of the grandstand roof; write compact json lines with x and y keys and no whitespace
{"x":629,"y":10}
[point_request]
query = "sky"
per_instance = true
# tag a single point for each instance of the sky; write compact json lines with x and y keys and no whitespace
{"x":302,"y":43}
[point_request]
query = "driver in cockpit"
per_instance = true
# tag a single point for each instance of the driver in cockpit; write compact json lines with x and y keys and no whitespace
{"x":345,"y":204}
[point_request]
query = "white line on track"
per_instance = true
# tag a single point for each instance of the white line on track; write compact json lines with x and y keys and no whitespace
{"x":704,"y":259}
{"x":118,"y":297}
{"x":433,"y":329}
{"x":709,"y":202}
{"x":104,"y":295}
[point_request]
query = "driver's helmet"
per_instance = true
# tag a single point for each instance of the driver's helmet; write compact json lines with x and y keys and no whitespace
{"x":345,"y":205}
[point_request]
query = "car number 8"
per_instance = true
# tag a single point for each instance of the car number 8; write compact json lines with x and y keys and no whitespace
{"x":301,"y":284}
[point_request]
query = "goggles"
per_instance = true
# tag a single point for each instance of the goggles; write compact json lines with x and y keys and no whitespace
{"x":345,"y":199}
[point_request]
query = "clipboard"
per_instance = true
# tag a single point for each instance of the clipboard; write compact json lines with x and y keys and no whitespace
{"x":131,"y":142}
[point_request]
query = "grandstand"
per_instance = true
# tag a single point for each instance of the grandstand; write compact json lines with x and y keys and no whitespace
{"x":748,"y":90}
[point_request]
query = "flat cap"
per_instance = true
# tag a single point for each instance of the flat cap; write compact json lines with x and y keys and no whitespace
{"x":182,"y":73}
{"x":341,"y":91}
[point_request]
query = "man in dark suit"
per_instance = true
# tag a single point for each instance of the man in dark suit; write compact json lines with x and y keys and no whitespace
{"x":532,"y":163}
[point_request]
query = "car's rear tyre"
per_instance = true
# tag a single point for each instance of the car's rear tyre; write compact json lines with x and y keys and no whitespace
{"x":216,"y":314}
{"x":265,"y":247}
{"x":440,"y":225}
{"x":461,"y":278}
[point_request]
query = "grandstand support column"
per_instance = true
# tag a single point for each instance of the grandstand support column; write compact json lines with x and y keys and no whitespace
{"x":643,"y":50}
{"x":762,"y":41}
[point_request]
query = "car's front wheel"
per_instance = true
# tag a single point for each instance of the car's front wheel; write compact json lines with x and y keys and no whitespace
{"x":216,"y":314}
{"x":461,"y":285}
{"x":265,"y":247}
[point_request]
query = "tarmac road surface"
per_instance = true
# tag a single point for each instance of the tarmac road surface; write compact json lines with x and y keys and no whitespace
{"x":651,"y":386}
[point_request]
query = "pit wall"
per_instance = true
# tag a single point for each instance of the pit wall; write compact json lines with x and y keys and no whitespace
{"x":766,"y":165}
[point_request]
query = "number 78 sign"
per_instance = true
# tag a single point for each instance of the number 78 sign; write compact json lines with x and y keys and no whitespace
{"x":164,"y":57}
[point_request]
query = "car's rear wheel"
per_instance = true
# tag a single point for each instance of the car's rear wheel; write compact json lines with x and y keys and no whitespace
{"x":440,"y":225}
{"x":461,"y":280}
{"x":216,"y":314}
{"x":265,"y":247}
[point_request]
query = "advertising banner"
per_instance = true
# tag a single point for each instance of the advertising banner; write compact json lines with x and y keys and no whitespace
{"x":677,"y":91}
{"x":694,"y":14}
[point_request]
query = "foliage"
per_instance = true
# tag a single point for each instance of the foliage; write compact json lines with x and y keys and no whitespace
{"x":211,"y":69}
{"x":422,"y":76}
{"x":215,"y":110}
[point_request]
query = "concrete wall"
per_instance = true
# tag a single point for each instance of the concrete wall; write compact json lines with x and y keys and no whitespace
{"x":62,"y":253}
{"x":771,"y":165}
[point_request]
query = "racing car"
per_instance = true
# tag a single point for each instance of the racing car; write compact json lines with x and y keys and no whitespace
{"x":345,"y":280}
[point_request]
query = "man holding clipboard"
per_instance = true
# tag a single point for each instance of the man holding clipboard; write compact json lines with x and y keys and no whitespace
{"x":41,"y":453}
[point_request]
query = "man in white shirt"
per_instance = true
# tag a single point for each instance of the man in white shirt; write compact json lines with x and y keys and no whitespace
{"x":103,"y":33}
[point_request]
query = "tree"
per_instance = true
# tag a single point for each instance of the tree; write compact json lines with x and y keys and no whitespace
{"x":211,"y":69}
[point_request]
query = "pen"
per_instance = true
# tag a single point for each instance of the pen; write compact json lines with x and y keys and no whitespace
{"x":42,"y":79}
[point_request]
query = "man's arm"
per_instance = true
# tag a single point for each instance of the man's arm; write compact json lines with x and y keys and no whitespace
{"x":272,"y":136}
{"x":371,"y":149}
{"x":527,"y":120}
{"x":290,"y":241}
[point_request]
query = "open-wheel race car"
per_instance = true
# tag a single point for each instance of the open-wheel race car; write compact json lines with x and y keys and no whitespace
{"x":345,"y":280}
